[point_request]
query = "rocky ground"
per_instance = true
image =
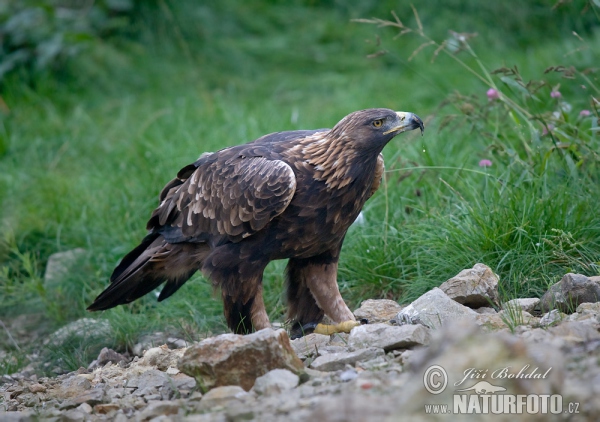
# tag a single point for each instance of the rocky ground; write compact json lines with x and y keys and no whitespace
{"x":455,"y":346}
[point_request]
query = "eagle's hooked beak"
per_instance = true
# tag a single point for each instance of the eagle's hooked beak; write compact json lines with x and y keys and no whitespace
{"x":407,"y":121}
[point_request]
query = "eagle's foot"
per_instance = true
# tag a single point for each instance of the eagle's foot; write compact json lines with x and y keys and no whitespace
{"x":325,"y":329}
{"x":342,"y":327}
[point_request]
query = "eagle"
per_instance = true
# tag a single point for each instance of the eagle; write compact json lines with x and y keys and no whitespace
{"x":286,"y":195}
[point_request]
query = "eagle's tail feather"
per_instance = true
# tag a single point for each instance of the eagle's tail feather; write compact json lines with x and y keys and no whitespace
{"x":149,"y":265}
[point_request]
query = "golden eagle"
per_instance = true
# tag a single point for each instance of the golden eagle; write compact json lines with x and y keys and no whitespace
{"x":287,"y":195}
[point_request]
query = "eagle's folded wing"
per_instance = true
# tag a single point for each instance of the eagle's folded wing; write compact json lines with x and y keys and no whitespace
{"x":223,"y":197}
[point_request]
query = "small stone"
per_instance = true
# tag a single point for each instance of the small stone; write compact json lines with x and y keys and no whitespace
{"x":435,"y":309}
{"x":183,"y":381}
{"x":107,"y":356}
{"x":85,"y":408}
{"x":172,"y":371}
{"x":106,"y":408}
{"x":309,"y":345}
{"x":92,"y":397}
{"x":275,"y":382}
{"x":575,"y":332}
{"x":73,"y":415}
{"x":222,"y":396}
{"x":37,"y":388}
{"x":73,"y":386}
{"x":527,"y":305}
{"x":337,"y":361}
{"x":571,"y":291}
{"x":377,"y":310}
{"x":484,"y":310}
{"x":388,"y":337}
{"x":551,"y":318}
{"x":474,"y":287}
{"x":348,"y":375}
{"x":157,"y":409}
{"x":162,"y":357}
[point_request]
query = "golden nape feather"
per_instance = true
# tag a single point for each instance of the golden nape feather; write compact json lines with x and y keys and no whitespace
{"x":287,"y":195}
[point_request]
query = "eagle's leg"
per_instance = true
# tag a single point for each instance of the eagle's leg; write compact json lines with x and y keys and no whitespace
{"x":241,"y":288}
{"x":312,"y":292}
{"x":245,"y":317}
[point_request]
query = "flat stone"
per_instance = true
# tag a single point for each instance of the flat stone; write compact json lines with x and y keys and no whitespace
{"x":435,"y":308}
{"x":275,"y":382}
{"x":527,"y":304}
{"x":337,"y":361}
{"x":91,"y":397}
{"x":158,"y":408}
{"x":309,"y":345}
{"x":388,"y":337}
{"x":377,"y":310}
{"x":222,"y":396}
{"x":231,"y":359}
{"x":73,"y":386}
{"x":571,"y":291}
{"x":474,"y":287}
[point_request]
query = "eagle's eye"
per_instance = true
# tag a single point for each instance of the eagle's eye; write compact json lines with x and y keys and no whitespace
{"x":377,"y":123}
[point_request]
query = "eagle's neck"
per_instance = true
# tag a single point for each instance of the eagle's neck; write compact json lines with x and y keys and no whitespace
{"x":336,"y":162}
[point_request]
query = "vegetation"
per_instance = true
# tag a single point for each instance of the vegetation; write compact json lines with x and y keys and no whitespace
{"x":506,"y":173}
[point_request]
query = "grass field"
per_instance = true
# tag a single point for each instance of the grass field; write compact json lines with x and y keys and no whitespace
{"x":85,"y":152}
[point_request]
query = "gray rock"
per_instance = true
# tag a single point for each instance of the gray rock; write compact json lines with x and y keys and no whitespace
{"x":157,"y":409}
{"x":474,"y":287}
{"x":575,"y":332}
{"x":377,"y":310}
{"x":570,"y":292}
{"x":149,"y":382}
{"x":435,"y":308}
{"x":309,"y":345}
{"x":24,"y":416}
{"x":388,"y":337}
{"x":92,"y":397}
{"x":107,"y":355}
{"x":95,"y":334}
{"x":484,"y":310}
{"x":147,"y":342}
{"x":275,"y":382}
{"x":527,"y":305}
{"x":222,"y":396}
{"x":337,"y":361}
{"x":552,"y":318}
{"x":76,"y":384}
{"x":60,"y":265}
{"x":231,"y":359}
{"x":348,"y":375}
{"x":162,"y":357}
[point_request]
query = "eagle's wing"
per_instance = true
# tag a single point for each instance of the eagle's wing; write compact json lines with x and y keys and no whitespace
{"x":223,"y":196}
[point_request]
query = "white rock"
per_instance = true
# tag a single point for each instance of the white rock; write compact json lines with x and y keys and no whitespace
{"x":435,"y":309}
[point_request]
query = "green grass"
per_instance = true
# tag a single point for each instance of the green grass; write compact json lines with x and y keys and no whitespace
{"x":87,"y":152}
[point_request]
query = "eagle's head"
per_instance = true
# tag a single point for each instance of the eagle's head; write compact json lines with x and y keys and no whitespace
{"x":373,"y":128}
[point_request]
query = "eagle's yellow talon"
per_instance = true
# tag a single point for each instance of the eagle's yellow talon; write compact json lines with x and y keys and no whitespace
{"x":342,"y":327}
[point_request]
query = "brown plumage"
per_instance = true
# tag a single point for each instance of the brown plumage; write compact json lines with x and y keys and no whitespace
{"x":287,"y":195}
